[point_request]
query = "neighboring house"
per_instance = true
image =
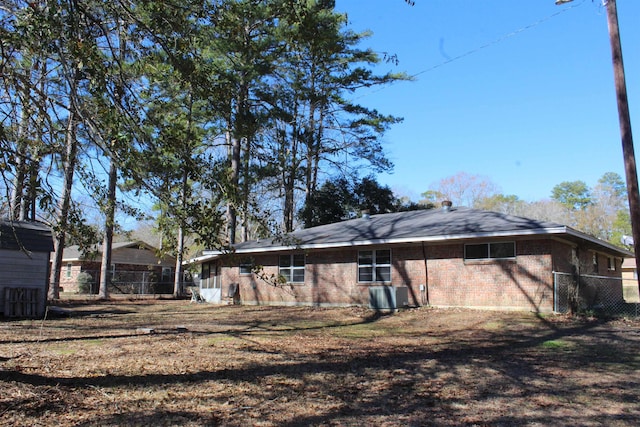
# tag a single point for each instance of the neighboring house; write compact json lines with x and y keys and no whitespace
{"x":135,"y":268}
{"x":24,"y":263}
{"x":630,"y":280}
{"x":453,"y":256}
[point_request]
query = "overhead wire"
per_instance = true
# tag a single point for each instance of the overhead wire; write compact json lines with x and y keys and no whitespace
{"x":500,"y":39}
{"x":486,"y":45}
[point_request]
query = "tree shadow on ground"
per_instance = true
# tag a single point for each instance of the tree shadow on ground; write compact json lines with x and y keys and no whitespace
{"x":409,"y":384}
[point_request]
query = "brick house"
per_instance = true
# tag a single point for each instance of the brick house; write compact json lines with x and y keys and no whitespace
{"x":454,"y":256}
{"x":135,"y":268}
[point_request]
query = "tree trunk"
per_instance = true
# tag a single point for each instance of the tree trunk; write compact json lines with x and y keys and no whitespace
{"x":105,"y":265}
{"x":18,"y":203}
{"x":177,"y":280}
{"x":71,"y":148}
{"x":246,"y":185}
{"x":232,"y":214}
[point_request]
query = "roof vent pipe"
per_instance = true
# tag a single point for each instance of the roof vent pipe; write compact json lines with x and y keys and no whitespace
{"x":446,"y":205}
{"x":366,"y":214}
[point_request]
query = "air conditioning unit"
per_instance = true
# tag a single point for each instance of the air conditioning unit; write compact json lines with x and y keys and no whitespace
{"x":388,"y":297}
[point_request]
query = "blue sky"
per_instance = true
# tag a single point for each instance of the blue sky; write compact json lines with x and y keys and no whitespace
{"x":521,"y":92}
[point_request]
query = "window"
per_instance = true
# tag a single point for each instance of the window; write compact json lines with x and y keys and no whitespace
{"x":291,"y":267}
{"x":500,"y":250}
{"x":246,"y":267}
{"x":69,"y":270}
{"x":209,"y":277}
{"x":374,"y":266}
{"x":204,"y":276}
{"x":595,"y":262}
{"x":611,"y":263}
{"x":166,"y":274}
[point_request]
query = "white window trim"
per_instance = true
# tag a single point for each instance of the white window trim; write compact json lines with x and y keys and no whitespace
{"x":293,"y":267}
{"x":489,"y":258}
{"x":375,"y":265}
{"x":247,"y":264}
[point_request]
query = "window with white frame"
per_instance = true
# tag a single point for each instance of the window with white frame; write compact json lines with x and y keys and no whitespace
{"x":291,"y":268}
{"x":209,"y":276}
{"x":69,"y":270}
{"x":374,"y":266}
{"x":496,"y":250}
{"x":595,"y":262}
{"x":246,"y":266}
{"x":611,"y":263}
{"x":204,"y":275}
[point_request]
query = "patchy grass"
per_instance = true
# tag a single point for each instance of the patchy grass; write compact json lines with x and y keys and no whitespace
{"x":175,"y":363}
{"x":556,"y":344}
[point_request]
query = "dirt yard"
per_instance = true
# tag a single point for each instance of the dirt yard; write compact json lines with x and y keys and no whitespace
{"x":185,"y":364}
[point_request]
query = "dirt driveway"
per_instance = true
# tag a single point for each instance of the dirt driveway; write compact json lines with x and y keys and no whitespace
{"x":177,"y":363}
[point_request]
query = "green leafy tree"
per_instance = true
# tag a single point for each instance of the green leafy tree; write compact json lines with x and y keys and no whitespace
{"x":332,"y":202}
{"x":575,"y":195}
{"x":340,"y":199}
{"x":371,"y":196}
{"x":613,"y":183}
{"x":621,"y":227}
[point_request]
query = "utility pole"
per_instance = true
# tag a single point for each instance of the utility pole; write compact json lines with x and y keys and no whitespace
{"x":625,"y":128}
{"x":624,"y":117}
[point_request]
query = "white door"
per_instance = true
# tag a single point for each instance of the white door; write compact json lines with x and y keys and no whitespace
{"x":211,"y":283}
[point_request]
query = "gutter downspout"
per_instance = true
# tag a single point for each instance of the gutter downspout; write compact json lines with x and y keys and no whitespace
{"x":426,"y":277}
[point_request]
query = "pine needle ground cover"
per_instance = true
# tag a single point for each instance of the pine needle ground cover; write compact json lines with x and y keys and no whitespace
{"x":176,"y":363}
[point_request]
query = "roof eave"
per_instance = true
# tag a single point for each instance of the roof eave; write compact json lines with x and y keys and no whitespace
{"x":213,"y":254}
{"x":578,"y":234}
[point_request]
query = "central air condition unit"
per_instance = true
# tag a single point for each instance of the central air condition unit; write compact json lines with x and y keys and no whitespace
{"x":388,"y":297}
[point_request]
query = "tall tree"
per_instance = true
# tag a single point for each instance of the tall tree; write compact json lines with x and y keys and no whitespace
{"x":575,"y":195}
{"x":320,"y":127}
{"x":241,"y":50}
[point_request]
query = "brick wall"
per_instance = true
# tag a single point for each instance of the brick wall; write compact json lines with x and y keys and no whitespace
{"x":525,"y":282}
{"x":330,"y":279}
{"x":69,"y":279}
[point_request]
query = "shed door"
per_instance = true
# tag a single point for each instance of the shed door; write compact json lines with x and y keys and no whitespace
{"x":211,"y":283}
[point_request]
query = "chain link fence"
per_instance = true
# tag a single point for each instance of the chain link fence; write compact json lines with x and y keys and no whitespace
{"x":591,"y":293}
{"x":128,"y":282}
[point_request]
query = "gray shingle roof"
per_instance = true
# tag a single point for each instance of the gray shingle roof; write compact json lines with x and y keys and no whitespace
{"x":412,"y":226}
{"x":30,"y":236}
{"x":434,"y":225}
{"x":73,"y":252}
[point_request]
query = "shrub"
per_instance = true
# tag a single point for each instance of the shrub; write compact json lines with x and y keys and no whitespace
{"x":85,"y":282}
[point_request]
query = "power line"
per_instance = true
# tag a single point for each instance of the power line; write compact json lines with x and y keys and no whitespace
{"x":485,"y":46}
{"x":499,"y":39}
